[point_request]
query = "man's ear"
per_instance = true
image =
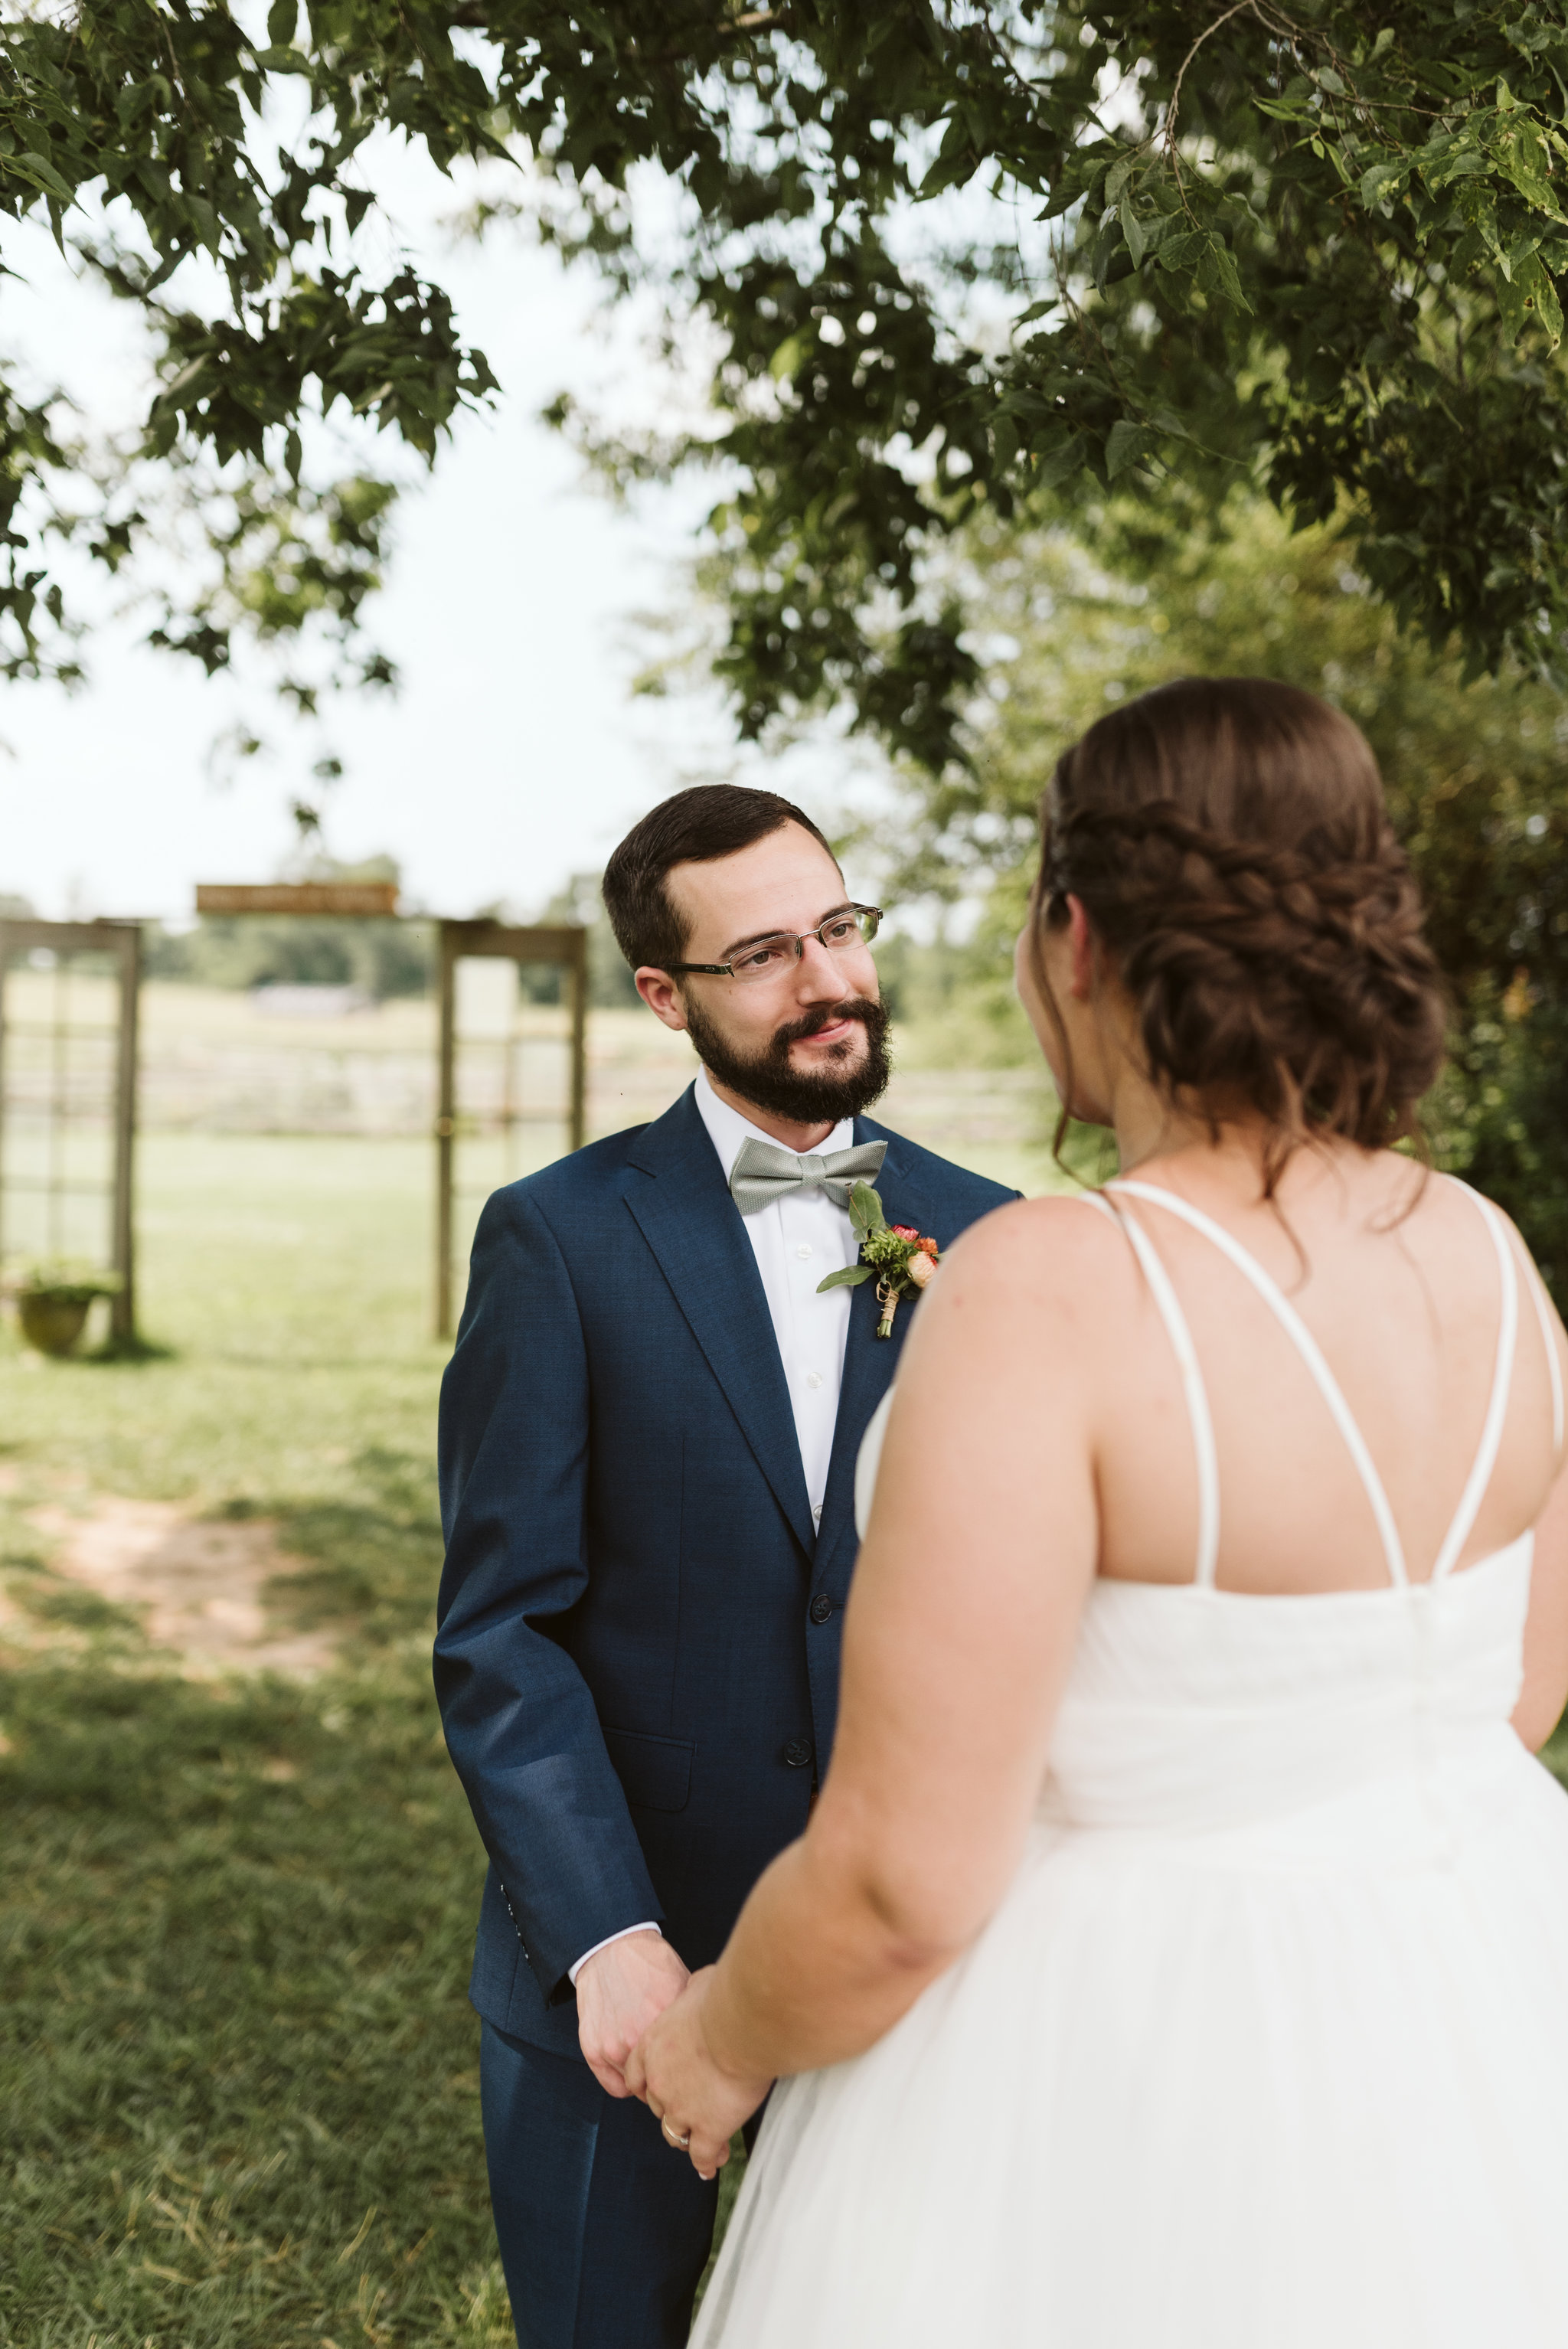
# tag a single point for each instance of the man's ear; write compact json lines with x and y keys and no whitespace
{"x":662,"y":996}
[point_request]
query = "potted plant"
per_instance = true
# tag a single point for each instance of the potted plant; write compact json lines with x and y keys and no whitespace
{"x":53,"y":1298}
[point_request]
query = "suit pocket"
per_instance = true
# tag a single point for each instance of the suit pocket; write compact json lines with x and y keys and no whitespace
{"x":654,"y":1770}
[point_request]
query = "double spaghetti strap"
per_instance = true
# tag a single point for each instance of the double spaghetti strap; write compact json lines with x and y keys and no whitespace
{"x":1485,"y":1459}
{"x":1307,"y":1346}
{"x":1301,"y":1337}
{"x":1192,"y":1386}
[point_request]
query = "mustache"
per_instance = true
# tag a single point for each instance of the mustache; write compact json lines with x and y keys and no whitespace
{"x":872,"y":1016}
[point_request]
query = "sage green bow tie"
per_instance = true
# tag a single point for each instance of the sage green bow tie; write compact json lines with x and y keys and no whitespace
{"x":763,"y":1173}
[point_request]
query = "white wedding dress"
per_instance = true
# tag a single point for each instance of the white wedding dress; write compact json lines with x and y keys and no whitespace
{"x":1266,"y":2046}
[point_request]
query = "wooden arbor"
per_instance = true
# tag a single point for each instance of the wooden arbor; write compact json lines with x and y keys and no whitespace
{"x":56,"y":1102}
{"x":566,"y":947}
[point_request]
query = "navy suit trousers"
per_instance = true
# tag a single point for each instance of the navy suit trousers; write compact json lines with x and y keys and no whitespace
{"x":605,"y":2229}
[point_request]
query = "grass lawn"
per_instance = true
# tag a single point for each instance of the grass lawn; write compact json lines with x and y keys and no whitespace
{"x":237,"y":2068}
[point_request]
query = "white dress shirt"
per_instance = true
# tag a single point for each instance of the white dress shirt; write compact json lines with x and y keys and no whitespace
{"x":796,"y":1240}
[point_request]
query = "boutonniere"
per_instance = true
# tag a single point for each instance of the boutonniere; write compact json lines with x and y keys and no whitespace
{"x":894,"y":1254}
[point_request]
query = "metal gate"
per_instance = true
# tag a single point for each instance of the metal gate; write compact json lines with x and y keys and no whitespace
{"x":68,"y":1098}
{"x":494,"y":1087}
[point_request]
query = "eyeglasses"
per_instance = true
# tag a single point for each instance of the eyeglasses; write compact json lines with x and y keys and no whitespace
{"x":851,"y":926}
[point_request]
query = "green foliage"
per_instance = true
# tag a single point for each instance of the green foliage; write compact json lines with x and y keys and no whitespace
{"x":1315,"y":253}
{"x":1477,"y":777}
{"x":1321,"y":252}
{"x":66,"y":1281}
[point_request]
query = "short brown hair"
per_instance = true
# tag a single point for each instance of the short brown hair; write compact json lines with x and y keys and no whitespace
{"x":1228,"y":839}
{"x":696,"y":827}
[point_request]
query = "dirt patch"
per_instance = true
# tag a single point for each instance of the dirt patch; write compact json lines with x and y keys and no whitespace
{"x":199,"y":1585}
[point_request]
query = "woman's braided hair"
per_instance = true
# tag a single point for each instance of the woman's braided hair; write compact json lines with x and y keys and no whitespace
{"x":1229,"y":841}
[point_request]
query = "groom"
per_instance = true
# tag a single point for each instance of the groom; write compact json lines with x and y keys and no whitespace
{"x":648,"y":1437}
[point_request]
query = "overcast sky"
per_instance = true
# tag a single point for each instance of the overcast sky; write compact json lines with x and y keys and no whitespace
{"x":514,"y":754}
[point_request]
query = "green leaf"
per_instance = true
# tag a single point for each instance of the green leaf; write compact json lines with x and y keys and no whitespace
{"x":282,"y":18}
{"x":1125,"y":443}
{"x":1133,"y":230}
{"x":1523,"y":155}
{"x":849,"y":1277}
{"x":866,"y":1210}
{"x":1063,"y":461}
{"x":1182,"y":251}
{"x":1380,"y":182}
{"x":1217,"y":274}
{"x":42,"y":173}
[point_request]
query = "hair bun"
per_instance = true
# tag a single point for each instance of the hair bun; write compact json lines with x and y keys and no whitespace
{"x":1277,"y":958}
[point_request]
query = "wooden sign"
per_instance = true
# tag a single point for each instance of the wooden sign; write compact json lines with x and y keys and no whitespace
{"x":361,"y":897}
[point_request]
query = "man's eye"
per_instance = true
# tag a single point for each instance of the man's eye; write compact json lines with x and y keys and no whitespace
{"x":837,"y":932}
{"x":759,"y":959}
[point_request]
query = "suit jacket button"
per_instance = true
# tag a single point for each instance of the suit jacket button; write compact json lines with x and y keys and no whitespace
{"x":798,"y":1752}
{"x":821,"y":1606}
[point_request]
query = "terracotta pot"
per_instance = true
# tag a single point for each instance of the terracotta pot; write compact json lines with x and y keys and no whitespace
{"x":53,"y":1324}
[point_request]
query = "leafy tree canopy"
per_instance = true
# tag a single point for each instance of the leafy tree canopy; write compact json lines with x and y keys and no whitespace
{"x":1476,"y":778}
{"x":949,"y":254}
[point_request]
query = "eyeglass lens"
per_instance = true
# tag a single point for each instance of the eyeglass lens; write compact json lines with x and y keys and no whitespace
{"x":766,"y":957}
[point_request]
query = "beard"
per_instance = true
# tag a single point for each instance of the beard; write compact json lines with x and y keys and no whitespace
{"x":820,"y":1096}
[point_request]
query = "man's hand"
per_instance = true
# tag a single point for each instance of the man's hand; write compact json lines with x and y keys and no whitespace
{"x":620,"y":1991}
{"x":699,"y":2105}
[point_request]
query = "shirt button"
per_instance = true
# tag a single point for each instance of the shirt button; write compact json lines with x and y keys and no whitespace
{"x":813,"y":1378}
{"x":798,"y":1752}
{"x":821,"y":1606}
{"x":803,"y":1252}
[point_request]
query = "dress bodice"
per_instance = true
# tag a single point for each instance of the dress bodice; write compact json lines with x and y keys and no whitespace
{"x":1196,"y":1710}
{"x":1191,"y":1709}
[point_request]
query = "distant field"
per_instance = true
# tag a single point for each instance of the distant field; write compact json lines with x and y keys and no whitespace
{"x":215,"y":1061}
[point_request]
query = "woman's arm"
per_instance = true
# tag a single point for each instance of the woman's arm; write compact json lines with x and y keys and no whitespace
{"x":981,"y":1546}
{"x":1545,"y":1688}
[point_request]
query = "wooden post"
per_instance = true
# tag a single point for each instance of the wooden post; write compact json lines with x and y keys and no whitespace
{"x":123,"y":1308}
{"x":122,"y":940}
{"x":564,"y":943}
{"x":446,"y":1125}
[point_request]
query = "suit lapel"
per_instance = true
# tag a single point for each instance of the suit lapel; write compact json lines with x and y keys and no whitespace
{"x":693,"y":1226}
{"x":870,"y":1361}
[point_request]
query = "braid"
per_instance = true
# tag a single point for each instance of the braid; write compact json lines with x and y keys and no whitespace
{"x":1288,"y":972}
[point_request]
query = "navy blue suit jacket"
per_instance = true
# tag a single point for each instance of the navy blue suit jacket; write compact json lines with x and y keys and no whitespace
{"x":637,"y":1653}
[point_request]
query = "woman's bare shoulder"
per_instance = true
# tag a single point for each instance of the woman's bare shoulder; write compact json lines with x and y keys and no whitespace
{"x":1056,"y":1247}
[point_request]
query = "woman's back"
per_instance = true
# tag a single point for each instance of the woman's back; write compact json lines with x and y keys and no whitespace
{"x":1403,"y":1291}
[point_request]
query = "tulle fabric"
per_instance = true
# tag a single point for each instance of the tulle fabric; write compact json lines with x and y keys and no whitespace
{"x":1267,"y":2047}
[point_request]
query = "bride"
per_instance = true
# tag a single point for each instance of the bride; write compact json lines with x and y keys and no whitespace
{"x":1178,"y":1953}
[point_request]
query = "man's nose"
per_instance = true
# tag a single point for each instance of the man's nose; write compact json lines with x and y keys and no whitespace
{"x":818,"y":974}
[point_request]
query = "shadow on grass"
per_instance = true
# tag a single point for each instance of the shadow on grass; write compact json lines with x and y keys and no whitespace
{"x":134,"y":1348}
{"x":238,"y":2072}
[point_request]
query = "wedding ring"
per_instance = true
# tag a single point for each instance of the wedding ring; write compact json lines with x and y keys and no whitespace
{"x":680,"y":2143}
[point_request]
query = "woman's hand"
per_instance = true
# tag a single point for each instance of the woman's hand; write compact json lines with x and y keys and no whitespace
{"x":699,"y":2105}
